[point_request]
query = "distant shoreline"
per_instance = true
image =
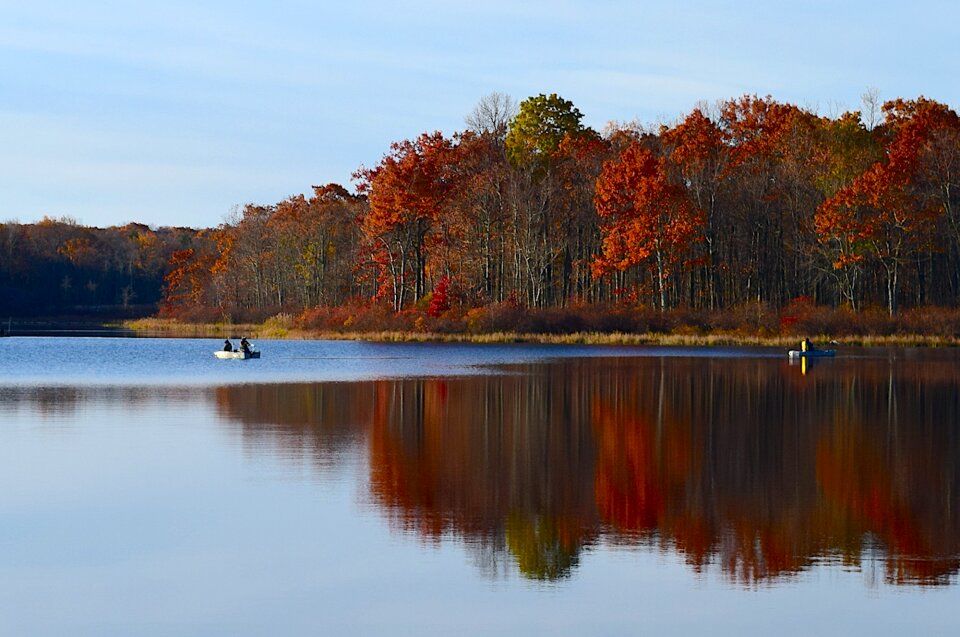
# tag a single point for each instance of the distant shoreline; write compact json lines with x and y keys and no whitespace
{"x":65,"y":327}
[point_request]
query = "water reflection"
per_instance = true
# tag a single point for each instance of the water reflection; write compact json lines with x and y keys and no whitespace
{"x":748,"y":465}
{"x":317,"y":422}
{"x":751,"y":466}
{"x":66,"y":400}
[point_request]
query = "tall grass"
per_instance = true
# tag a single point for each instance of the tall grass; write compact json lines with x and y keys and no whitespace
{"x":173,"y":327}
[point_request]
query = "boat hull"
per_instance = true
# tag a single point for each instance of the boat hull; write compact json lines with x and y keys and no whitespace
{"x":817,"y":353}
{"x":236,"y":355}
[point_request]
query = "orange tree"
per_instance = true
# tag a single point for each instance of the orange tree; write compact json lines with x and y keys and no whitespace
{"x":846,"y":148}
{"x":886,"y":213}
{"x":645,"y":218}
{"x":699,"y":156}
{"x":407,"y":192}
{"x":760,"y":239}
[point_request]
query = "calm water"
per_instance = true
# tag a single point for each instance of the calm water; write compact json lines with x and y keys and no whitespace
{"x":351,"y":488}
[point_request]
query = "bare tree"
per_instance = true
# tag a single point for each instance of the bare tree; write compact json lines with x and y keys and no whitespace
{"x":492,"y":114}
{"x":871,"y":107}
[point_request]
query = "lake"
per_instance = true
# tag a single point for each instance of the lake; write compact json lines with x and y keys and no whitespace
{"x":435,"y":489}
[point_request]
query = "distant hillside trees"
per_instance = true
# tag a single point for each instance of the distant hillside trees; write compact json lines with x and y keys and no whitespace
{"x":57,"y":267}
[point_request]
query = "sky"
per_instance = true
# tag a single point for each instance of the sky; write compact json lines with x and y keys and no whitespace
{"x":175,"y":113}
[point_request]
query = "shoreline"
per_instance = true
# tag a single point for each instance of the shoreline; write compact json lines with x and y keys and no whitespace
{"x":170,"y":328}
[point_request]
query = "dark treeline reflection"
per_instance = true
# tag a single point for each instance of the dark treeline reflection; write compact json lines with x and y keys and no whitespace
{"x":318,"y":421}
{"x":746,"y":464}
{"x":67,"y":400}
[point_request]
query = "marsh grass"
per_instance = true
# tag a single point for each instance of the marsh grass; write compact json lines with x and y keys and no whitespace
{"x":283,"y":328}
{"x":174,"y":328}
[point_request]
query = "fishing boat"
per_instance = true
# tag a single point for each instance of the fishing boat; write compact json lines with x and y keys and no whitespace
{"x":238,"y":354}
{"x":813,"y":353}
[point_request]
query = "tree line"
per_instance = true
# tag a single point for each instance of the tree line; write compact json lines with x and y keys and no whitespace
{"x":750,"y":201}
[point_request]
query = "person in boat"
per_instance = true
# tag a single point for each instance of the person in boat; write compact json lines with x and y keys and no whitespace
{"x":227,"y":345}
{"x":807,"y":346}
{"x":244,"y":345}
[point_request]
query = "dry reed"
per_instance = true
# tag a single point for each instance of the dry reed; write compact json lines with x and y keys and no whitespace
{"x":276,"y":330}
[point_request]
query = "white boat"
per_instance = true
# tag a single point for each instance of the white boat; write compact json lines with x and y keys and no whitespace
{"x":238,"y":354}
{"x":814,"y":353}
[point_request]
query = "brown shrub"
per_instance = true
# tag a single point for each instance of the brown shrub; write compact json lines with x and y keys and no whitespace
{"x":505,"y":316}
{"x":800,"y":318}
{"x":355,"y":316}
{"x":823,"y":320}
{"x":930,"y":321}
{"x":749,"y":318}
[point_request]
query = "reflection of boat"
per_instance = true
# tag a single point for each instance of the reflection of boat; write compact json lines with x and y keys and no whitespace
{"x":814,"y":353}
{"x":238,"y":354}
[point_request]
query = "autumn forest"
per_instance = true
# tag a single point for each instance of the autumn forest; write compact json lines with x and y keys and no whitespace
{"x":749,"y":203}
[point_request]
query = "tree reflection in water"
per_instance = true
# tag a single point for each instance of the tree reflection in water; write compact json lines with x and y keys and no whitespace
{"x":744,"y":463}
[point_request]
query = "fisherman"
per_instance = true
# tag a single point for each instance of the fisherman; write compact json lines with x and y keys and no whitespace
{"x":227,"y":345}
{"x":806,"y":345}
{"x":244,"y":345}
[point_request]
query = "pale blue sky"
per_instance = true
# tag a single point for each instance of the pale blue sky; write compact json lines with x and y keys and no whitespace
{"x":171,"y":113}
